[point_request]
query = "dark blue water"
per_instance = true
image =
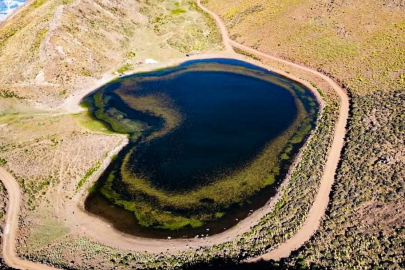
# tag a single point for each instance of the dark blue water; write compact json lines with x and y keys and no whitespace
{"x":230,"y":111}
{"x":229,"y":118}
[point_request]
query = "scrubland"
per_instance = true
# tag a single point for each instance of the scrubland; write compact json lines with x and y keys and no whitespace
{"x":360,"y":44}
{"x":297,"y":195}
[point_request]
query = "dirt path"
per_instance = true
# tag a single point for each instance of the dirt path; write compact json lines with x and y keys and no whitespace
{"x":91,"y":226}
{"x":320,"y":204}
{"x":224,"y":32}
{"x":11,"y":227}
{"x":322,"y":198}
{"x":97,"y":229}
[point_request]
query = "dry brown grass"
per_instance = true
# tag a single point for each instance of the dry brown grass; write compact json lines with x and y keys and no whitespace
{"x":52,"y":48}
{"x":50,"y":153}
{"x":359,"y":42}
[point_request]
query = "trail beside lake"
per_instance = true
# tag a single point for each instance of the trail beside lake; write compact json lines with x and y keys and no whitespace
{"x":98,"y":230}
{"x":322,"y":198}
{"x":11,"y":227}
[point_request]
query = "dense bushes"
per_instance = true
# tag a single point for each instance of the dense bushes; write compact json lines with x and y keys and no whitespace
{"x":364,"y":225}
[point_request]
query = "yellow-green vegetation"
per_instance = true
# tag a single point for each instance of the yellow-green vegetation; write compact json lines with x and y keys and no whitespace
{"x":85,"y":120}
{"x":35,"y":190}
{"x":124,"y":68}
{"x":3,"y":161}
{"x":38,"y":40}
{"x":130,"y":54}
{"x":4,"y":93}
{"x":362,"y":45}
{"x":87,"y":175}
{"x":178,"y":11}
{"x":45,"y":233}
{"x":234,"y":188}
{"x":115,"y":118}
{"x":158,"y":105}
{"x":151,"y":205}
{"x":37,"y":3}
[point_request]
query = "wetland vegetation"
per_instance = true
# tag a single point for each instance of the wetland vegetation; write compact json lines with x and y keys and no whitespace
{"x":207,"y":138}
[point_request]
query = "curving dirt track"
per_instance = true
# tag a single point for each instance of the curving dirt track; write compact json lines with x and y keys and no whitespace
{"x":11,"y":229}
{"x":92,"y":226}
{"x":322,"y":198}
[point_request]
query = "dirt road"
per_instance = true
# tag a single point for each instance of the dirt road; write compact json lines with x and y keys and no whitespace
{"x":11,"y":228}
{"x":101,"y":231}
{"x":322,"y":198}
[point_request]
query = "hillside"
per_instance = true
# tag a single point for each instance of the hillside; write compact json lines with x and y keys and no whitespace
{"x":362,"y":45}
{"x":53,"y":48}
{"x":50,"y":50}
{"x":358,"y":42}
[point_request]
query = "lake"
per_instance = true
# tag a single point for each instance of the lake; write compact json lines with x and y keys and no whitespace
{"x":210,"y":141}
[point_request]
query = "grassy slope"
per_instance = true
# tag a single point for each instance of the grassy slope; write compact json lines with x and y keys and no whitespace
{"x":359,"y":42}
{"x":362,"y":45}
{"x":52,"y":48}
{"x":385,"y":177}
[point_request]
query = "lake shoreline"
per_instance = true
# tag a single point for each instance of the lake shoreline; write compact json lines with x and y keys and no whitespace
{"x":257,"y":198}
{"x":98,"y":229}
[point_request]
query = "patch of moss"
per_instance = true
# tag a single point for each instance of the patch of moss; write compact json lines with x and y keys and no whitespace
{"x":178,"y":11}
{"x":124,"y":68}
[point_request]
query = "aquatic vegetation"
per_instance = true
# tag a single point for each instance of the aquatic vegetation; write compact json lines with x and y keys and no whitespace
{"x":172,"y":205}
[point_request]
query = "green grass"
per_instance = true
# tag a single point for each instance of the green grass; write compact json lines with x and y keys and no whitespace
{"x":85,"y":120}
{"x":87,"y":175}
{"x":178,"y":11}
{"x":46,"y":233}
{"x":124,"y":68}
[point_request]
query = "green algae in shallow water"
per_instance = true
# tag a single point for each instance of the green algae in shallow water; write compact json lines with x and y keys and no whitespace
{"x":207,"y":140}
